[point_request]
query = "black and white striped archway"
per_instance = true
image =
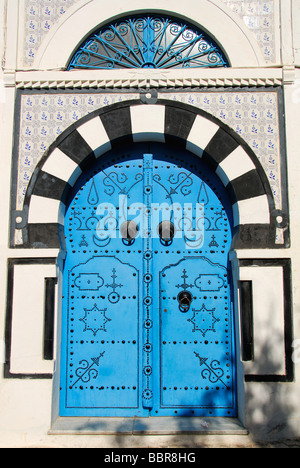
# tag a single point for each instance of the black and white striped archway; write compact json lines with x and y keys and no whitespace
{"x":163,"y":121}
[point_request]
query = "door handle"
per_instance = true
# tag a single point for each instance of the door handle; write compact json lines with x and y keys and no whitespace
{"x":129,"y":231}
{"x":166,"y":231}
{"x":184,"y":299}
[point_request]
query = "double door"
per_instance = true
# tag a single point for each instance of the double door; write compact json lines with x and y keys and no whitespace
{"x":147,"y":326}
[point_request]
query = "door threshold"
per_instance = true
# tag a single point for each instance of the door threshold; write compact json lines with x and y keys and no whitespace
{"x":147,"y":426}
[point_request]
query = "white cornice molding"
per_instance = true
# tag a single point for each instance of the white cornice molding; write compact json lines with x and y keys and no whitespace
{"x":167,"y":83}
{"x":122,"y":79}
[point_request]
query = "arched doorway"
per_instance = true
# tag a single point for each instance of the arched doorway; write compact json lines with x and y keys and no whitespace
{"x":223,"y":150}
{"x":84,"y":145}
{"x":147,"y":321}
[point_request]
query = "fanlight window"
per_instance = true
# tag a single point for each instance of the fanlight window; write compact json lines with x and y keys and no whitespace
{"x":148,"y":42}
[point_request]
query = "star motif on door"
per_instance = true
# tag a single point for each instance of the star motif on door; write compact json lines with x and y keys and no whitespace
{"x":95,"y":319}
{"x":203,"y":320}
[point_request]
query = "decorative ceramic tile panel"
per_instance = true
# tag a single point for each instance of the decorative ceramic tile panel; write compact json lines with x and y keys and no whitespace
{"x":40,"y":15}
{"x":254,"y":116}
{"x":43,"y":117}
{"x":258,"y":15}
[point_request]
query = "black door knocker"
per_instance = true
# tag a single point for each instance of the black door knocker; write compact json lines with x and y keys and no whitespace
{"x":166,"y":232}
{"x":129,"y":231}
{"x":184,"y":299}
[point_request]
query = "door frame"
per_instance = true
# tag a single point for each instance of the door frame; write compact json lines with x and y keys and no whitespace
{"x":139,"y":121}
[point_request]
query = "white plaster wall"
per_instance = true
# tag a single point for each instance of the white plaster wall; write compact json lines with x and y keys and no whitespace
{"x":5,"y":151}
{"x":28,"y":319}
{"x":268,"y":320}
{"x":273,"y":409}
{"x":25,"y":405}
{"x":296,"y":30}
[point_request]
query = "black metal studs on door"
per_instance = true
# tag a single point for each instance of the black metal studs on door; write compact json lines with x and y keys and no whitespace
{"x":146,"y":302}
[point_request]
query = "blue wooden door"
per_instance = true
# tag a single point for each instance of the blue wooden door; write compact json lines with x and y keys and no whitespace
{"x":147,"y":325}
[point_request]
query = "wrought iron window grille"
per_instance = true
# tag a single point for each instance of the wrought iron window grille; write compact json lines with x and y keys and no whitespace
{"x":148,"y":42}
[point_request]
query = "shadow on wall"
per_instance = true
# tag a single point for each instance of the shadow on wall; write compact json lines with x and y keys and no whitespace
{"x":272,"y":408}
{"x":272,"y":414}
